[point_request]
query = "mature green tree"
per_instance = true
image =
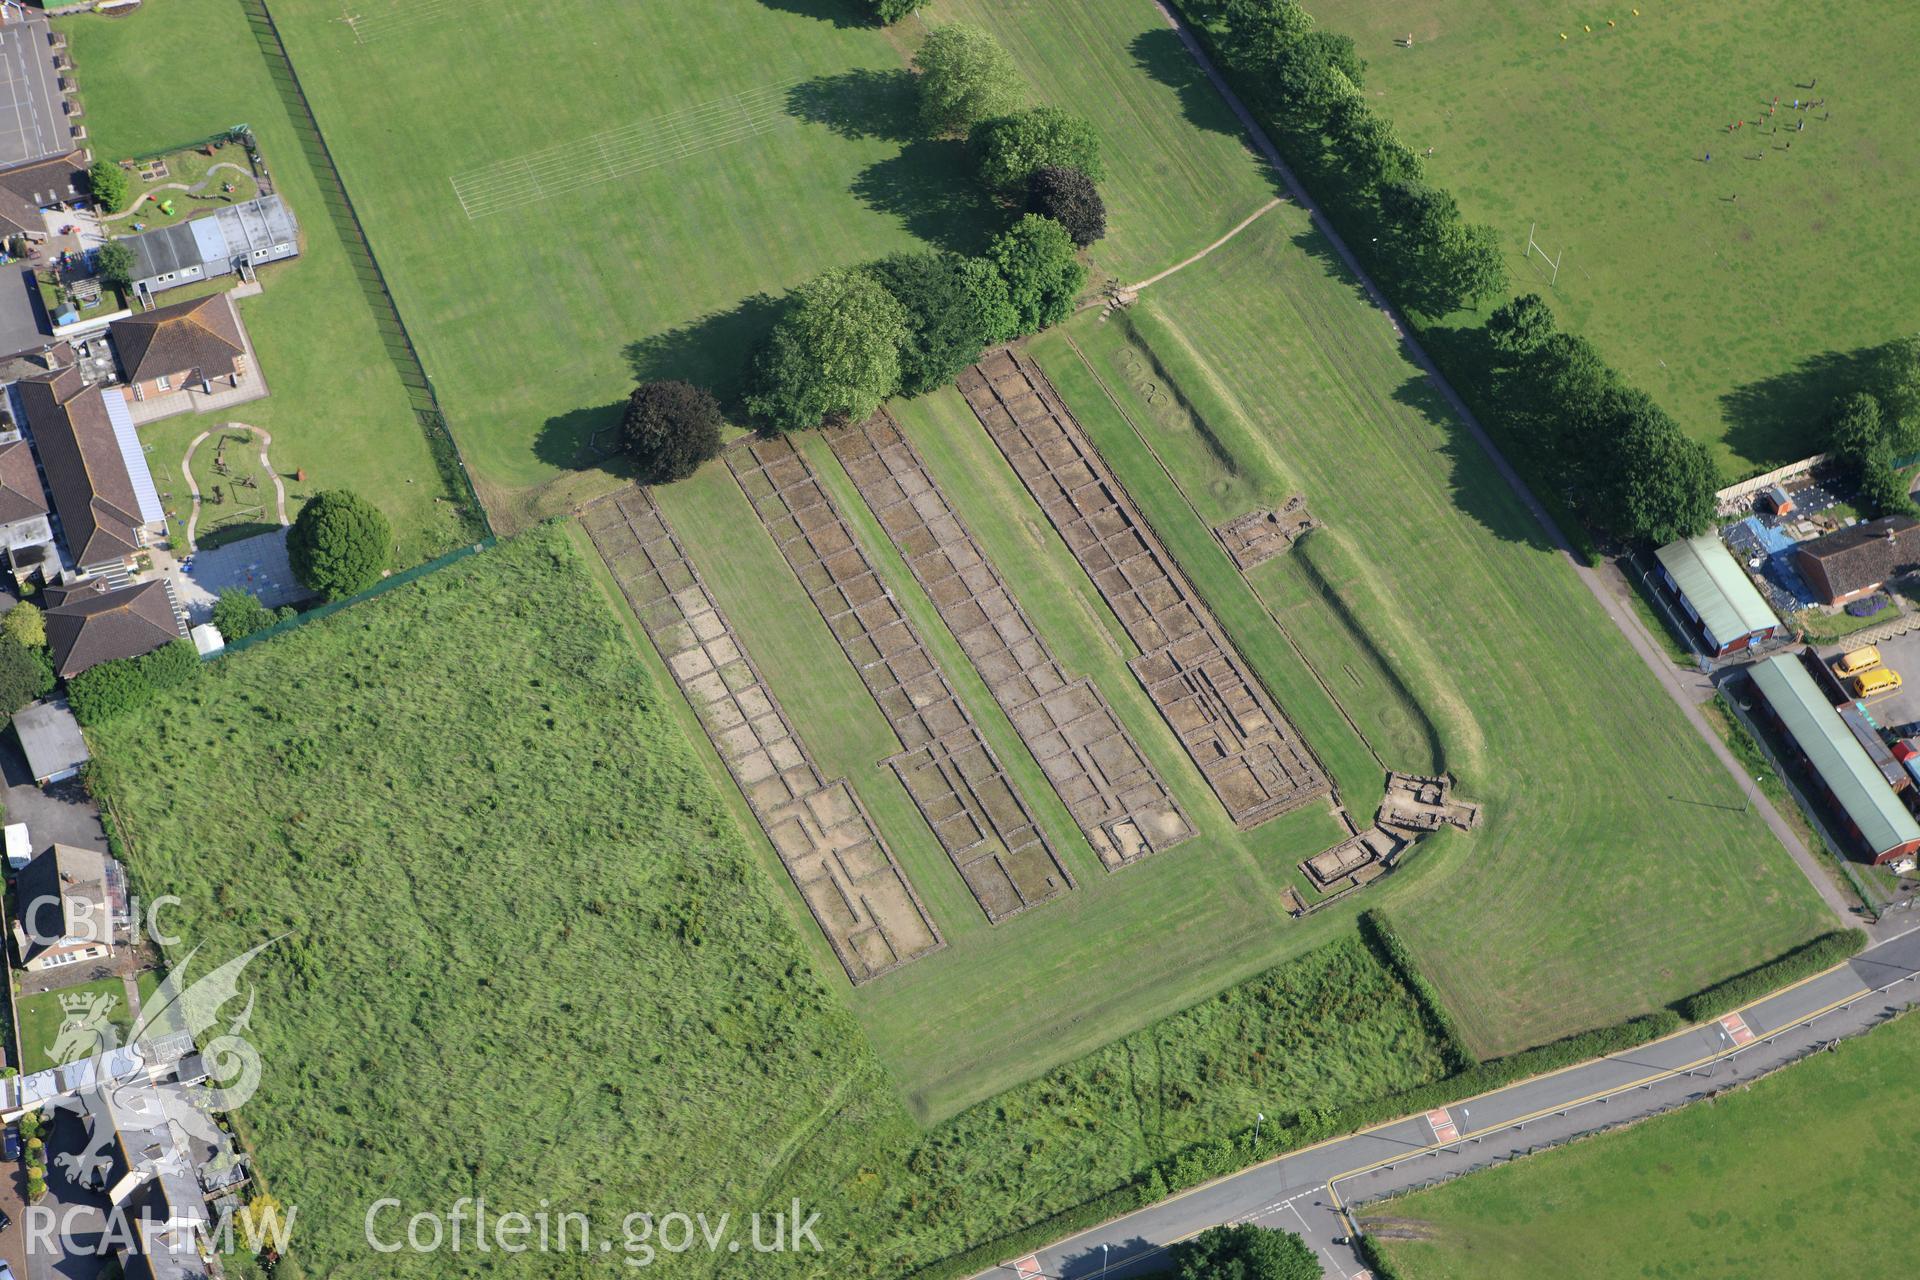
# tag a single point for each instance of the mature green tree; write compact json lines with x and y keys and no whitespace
{"x":1314,"y":74}
{"x":670,"y":428}
{"x":1521,"y":327}
{"x":1367,"y":146}
{"x":1657,"y":485}
{"x":1036,"y":258}
{"x":340,"y":544}
{"x":109,"y":183}
{"x":1244,"y":1252}
{"x":835,"y":353}
{"x":238,"y":614}
{"x":1009,"y":148}
{"x":954,"y":307}
{"x":25,"y":674}
{"x":113,"y":262}
{"x":1258,"y":33}
{"x":1070,"y":198}
{"x":888,"y":12}
{"x":1883,"y":490}
{"x":25,"y":623}
{"x":1468,"y":266}
{"x":965,"y":77}
{"x":1856,"y":428}
{"x":1896,"y":383}
{"x":1422,"y":213}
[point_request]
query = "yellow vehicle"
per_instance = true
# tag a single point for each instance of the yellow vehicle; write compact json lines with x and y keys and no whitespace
{"x":1852,"y":664}
{"x":1873,"y":683}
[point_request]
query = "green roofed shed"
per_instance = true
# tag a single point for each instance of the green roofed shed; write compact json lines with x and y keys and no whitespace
{"x":1849,"y":776}
{"x":1717,"y":593}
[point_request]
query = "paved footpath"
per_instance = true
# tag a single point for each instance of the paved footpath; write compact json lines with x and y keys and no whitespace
{"x":1313,"y":1191}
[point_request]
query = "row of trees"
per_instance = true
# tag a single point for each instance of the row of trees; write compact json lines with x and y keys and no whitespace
{"x":1868,"y":429}
{"x":849,"y":338}
{"x":1311,"y":80}
{"x":1622,"y":463}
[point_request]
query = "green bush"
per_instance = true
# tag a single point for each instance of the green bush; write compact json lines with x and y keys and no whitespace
{"x":114,"y":263}
{"x":1009,"y":148}
{"x":1823,"y":952}
{"x":888,"y":12}
{"x":237,"y":614}
{"x":110,"y":186}
{"x":25,"y":674}
{"x":171,"y":665}
{"x":111,"y":689}
{"x":954,"y":307}
{"x":340,"y":544}
{"x":1244,"y":1251}
{"x":27,"y":624}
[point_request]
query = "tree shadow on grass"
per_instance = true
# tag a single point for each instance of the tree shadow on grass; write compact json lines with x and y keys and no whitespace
{"x":712,"y":351}
{"x":1166,"y":61}
{"x":580,"y":438}
{"x":859,"y":104}
{"x":927,"y":188}
{"x":1782,"y":416}
{"x":841,"y":13}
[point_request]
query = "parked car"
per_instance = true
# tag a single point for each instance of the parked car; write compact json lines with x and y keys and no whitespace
{"x":10,"y":1145}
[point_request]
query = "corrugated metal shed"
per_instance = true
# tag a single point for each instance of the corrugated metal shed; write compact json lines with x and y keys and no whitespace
{"x":1720,"y":592}
{"x":1829,"y":747}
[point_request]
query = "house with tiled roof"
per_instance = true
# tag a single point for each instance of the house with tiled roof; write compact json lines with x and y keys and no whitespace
{"x":92,"y":621}
{"x":95,"y":465}
{"x":189,"y":344}
{"x":1860,"y":559}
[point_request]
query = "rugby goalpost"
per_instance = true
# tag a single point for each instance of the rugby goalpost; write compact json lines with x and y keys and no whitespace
{"x":1534,"y":246}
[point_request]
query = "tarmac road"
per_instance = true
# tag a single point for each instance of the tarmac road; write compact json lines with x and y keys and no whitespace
{"x":1313,"y":1191}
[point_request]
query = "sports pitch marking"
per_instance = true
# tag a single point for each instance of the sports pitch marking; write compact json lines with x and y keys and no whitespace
{"x":393,"y":17}
{"x":615,"y":153}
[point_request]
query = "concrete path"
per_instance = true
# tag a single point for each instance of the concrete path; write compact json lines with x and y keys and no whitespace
{"x":1314,"y":1192}
{"x":193,"y":486}
{"x":1677,"y":686}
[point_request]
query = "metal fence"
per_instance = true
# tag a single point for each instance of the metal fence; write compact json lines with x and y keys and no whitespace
{"x":340,"y":210}
{"x":379,"y":588}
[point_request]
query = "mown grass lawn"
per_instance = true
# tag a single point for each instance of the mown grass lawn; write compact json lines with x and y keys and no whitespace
{"x":41,"y":1017}
{"x":527,"y":955}
{"x":1744,"y":316}
{"x":337,"y":410}
{"x":1614,"y":870}
{"x":1781,"y":1180}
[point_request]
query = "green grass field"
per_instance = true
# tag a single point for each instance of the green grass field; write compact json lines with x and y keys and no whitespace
{"x":526,"y":955}
{"x":41,"y":1017}
{"x":1782,"y":1180}
{"x":1584,"y":897}
{"x":1743,"y":317}
{"x":337,"y":409}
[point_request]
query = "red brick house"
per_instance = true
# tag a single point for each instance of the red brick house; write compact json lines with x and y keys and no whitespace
{"x":189,"y":344}
{"x":1859,"y":560}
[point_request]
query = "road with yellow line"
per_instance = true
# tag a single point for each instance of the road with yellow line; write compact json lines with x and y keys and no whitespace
{"x":1313,"y":1191}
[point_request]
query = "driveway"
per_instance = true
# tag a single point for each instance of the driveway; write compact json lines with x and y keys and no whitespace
{"x":78,"y":1214}
{"x":60,"y":814}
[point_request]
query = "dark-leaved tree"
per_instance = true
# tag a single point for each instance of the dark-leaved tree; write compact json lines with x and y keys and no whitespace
{"x":25,"y":674}
{"x":669,"y":428}
{"x":1071,"y":199}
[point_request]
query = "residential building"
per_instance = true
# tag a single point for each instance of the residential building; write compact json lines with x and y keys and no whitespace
{"x":51,"y":739}
{"x":95,"y":467}
{"x":91,"y":622}
{"x":189,"y":344}
{"x":234,"y":239}
{"x":1717,"y":594}
{"x":63,"y":908}
{"x":1835,"y":760}
{"x":1859,"y":560}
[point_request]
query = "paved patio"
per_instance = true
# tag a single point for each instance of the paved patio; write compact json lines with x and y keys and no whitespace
{"x":258,"y":564}
{"x":253,"y":386}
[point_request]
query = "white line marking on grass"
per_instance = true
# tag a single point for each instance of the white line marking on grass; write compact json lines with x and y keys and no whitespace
{"x":519,"y":181}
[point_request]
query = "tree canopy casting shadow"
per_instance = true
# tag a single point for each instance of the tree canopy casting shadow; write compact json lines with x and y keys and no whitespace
{"x":927,"y":188}
{"x":1782,"y":416}
{"x":841,"y":13}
